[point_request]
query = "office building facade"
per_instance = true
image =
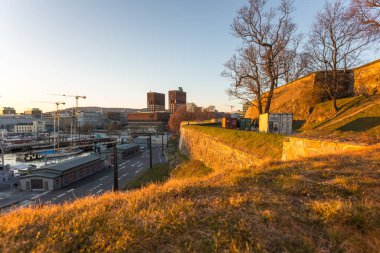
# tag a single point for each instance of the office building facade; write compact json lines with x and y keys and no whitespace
{"x":177,"y":98}
{"x":155,"y":102}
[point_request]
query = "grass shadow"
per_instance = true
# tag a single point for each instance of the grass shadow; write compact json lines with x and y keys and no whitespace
{"x":361,"y":124}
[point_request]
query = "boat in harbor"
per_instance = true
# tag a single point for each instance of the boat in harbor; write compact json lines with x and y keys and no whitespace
{"x":53,"y":154}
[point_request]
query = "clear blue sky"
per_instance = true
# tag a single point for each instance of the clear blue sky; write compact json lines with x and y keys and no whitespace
{"x":115,"y":51}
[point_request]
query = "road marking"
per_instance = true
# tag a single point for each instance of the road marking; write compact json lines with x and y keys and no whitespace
{"x":139,"y":165}
{"x":39,"y":195}
{"x":53,"y":199}
{"x":125,"y":174}
{"x":99,"y":191}
{"x":25,"y":203}
{"x":71,"y":190}
{"x":61,"y":195}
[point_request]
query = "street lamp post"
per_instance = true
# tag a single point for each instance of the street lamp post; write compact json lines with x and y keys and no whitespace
{"x":115,"y":168}
{"x":2,"y":147}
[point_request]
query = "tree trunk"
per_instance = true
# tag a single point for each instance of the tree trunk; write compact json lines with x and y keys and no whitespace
{"x":336,"y":108}
{"x":269,"y":99}
{"x":259,"y":106}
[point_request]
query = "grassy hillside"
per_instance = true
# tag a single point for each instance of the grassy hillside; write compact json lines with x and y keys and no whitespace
{"x":260,"y":144}
{"x":159,"y":173}
{"x":323,"y":204}
{"x":358,"y":120}
{"x":190,"y":168}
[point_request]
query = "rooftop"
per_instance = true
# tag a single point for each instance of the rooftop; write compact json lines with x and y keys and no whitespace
{"x":127,"y":146}
{"x":69,"y":164}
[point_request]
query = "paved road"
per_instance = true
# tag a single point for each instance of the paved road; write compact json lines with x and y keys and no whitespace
{"x":97,"y":183}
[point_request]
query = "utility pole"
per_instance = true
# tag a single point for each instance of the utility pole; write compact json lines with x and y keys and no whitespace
{"x":115,"y":168}
{"x":167,"y":138}
{"x":58,"y":117}
{"x":162,"y":143}
{"x":150,"y":151}
{"x":2,"y":147}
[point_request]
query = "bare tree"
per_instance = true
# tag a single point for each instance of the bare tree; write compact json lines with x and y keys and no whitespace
{"x":210,"y":108}
{"x":368,"y":13}
{"x":182,"y":114}
{"x":248,"y":82}
{"x":267,"y":33}
{"x":293,"y":65}
{"x":335,"y":44}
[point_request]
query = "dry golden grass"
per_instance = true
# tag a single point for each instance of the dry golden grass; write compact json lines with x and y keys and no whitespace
{"x":322,"y":204}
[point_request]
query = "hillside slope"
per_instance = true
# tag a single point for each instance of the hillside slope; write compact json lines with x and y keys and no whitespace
{"x":358,"y":120}
{"x":319,"y":204}
{"x":302,"y":95}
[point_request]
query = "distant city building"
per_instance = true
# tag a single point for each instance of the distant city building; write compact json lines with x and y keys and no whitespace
{"x":9,"y":121}
{"x":93,"y":119}
{"x":177,"y":98}
{"x":34,"y":127}
{"x":148,"y":117}
{"x":116,"y":117}
{"x":8,"y":111}
{"x":35,"y":112}
{"x":155,"y":102}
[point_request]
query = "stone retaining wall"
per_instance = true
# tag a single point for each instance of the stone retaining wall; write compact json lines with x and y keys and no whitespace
{"x":212,"y":153}
{"x":295,"y":148}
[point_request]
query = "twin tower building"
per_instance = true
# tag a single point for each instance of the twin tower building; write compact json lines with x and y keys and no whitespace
{"x":156,"y":101}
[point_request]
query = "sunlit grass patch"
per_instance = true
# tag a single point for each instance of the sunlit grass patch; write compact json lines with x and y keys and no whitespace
{"x":327,"y":209}
{"x":324,"y":204}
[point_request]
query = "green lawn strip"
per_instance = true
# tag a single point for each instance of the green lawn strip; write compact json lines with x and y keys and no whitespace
{"x":190,"y":168}
{"x":159,"y":173}
{"x":262,"y":145}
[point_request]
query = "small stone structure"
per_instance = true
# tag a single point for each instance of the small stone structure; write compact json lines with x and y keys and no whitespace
{"x":295,"y":148}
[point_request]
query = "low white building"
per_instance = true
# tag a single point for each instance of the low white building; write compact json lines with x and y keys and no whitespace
{"x":55,"y":176}
{"x":278,"y":123}
{"x":35,"y":127}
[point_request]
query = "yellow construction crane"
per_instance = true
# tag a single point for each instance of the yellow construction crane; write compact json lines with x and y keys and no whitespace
{"x":56,"y":116}
{"x":232,"y":107}
{"x":75,"y":112}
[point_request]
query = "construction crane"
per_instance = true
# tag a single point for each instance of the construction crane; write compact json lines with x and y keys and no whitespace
{"x":232,"y":107}
{"x":56,"y":116}
{"x":75,"y":112}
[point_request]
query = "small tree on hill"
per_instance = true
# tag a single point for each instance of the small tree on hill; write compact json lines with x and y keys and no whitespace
{"x":335,"y":44}
{"x":270,"y":43}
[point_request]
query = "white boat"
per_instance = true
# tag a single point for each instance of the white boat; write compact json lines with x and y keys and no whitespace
{"x":62,"y":153}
